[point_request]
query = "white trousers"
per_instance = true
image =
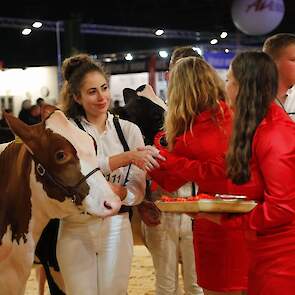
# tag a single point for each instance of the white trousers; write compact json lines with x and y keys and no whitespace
{"x":172,"y":239}
{"x":95,"y":257}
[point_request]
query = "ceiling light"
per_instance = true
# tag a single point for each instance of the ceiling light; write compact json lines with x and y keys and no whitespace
{"x":26,"y":31}
{"x":159,"y":32}
{"x":163,"y":53}
{"x":223,"y":35}
{"x":107,"y":59}
{"x":128,"y":56}
{"x":226,"y":50}
{"x":37,"y":25}
{"x":214,"y":41}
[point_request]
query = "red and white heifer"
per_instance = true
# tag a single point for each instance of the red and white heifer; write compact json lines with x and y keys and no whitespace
{"x":51,"y":172}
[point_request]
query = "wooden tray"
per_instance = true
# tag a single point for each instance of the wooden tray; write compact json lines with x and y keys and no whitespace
{"x":213,"y":206}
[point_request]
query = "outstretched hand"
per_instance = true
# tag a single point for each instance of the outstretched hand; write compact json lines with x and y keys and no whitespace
{"x":146,"y":157}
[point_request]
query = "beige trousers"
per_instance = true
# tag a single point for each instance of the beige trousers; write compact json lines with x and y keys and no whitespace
{"x":168,"y":242}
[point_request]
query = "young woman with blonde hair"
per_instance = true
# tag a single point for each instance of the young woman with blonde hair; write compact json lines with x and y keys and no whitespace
{"x":171,"y":241}
{"x":197,"y":127}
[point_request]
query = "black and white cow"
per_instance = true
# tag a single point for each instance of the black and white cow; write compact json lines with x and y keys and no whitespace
{"x":146,"y":110}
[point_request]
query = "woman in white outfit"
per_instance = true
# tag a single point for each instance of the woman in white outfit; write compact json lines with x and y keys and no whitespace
{"x":95,"y":254}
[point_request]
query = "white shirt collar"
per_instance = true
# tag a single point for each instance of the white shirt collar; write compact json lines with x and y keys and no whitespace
{"x":109,"y":121}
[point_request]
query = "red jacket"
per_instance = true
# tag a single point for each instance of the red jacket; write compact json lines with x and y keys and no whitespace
{"x":218,"y":250}
{"x":272,"y":184}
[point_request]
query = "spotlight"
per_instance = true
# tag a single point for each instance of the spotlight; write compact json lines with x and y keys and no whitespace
{"x":159,"y":32}
{"x":128,"y":56}
{"x":37,"y":25}
{"x":26,"y":31}
{"x":163,"y":53}
{"x":214,"y":41}
{"x":223,"y":35}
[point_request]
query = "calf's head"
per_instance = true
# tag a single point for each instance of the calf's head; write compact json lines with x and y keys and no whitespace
{"x":66,"y":164}
{"x":145,"y":109}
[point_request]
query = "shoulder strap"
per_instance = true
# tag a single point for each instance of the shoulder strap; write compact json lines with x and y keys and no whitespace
{"x":120,"y":133}
{"x":79,"y":124}
{"x":123,"y":142}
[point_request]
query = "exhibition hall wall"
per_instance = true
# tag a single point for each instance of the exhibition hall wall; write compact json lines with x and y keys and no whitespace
{"x":17,"y":85}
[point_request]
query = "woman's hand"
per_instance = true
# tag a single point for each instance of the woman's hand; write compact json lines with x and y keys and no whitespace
{"x":119,"y":190}
{"x":150,"y":153}
{"x":145,"y":158}
{"x":154,"y":151}
{"x":214,"y":217}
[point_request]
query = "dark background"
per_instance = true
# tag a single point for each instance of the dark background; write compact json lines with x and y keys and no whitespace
{"x":208,"y":17}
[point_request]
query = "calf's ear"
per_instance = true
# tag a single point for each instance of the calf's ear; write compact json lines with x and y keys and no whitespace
{"x":47,"y":110}
{"x":29,"y":135}
{"x":141,"y":88}
{"x":129,"y":95}
{"x":20,"y":129}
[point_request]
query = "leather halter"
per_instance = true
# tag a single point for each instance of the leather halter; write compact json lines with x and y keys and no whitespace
{"x":71,"y":191}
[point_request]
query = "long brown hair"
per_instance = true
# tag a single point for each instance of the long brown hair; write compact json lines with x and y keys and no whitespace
{"x":194,"y":87}
{"x":257,"y":77}
{"x":74,"y":70}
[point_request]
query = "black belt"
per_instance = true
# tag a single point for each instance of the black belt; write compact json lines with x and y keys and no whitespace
{"x":125,"y":208}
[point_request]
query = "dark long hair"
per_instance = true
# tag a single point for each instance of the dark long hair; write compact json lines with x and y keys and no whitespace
{"x":257,"y":77}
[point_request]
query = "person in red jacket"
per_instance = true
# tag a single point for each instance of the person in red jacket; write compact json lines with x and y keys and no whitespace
{"x":261,"y":165}
{"x":197,"y":125}
{"x":264,"y":138}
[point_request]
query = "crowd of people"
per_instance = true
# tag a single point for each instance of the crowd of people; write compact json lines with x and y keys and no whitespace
{"x":30,"y":114}
{"x":236,"y":137}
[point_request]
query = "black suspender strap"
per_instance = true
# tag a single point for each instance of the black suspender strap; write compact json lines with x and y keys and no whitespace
{"x":120,"y":133}
{"x":126,"y":148}
{"x":123,"y":141}
{"x":79,"y":124}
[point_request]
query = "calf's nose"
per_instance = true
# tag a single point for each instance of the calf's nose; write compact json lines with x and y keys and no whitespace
{"x":112,"y":206}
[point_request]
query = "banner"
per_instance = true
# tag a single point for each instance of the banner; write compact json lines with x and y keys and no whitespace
{"x":219,"y":59}
{"x":135,"y":66}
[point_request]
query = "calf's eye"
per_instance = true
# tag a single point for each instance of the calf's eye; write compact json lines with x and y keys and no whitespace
{"x":60,"y":156}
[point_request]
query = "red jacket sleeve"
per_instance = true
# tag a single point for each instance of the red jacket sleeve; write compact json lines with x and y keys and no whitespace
{"x":177,"y":170}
